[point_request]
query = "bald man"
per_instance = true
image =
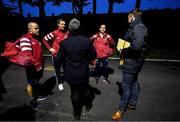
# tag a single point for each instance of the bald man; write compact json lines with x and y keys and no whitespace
{"x":31,"y":47}
{"x":33,"y":28}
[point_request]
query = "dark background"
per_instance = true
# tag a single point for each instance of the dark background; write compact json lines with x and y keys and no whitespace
{"x":163,"y":26}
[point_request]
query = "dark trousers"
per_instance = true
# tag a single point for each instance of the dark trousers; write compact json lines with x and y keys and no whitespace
{"x":130,"y":88}
{"x":57,"y":67}
{"x":33,"y":78}
{"x":80,"y":95}
{"x":104,"y":62}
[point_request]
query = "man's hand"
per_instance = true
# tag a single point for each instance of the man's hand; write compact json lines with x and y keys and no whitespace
{"x":94,"y":37}
{"x":39,"y":69}
{"x":52,"y":50}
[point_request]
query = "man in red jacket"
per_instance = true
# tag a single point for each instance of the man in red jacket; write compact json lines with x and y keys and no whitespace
{"x":31,"y":47}
{"x":56,"y":37}
{"x":103,"y":44}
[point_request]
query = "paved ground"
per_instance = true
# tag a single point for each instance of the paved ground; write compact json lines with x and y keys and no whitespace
{"x":158,"y":100}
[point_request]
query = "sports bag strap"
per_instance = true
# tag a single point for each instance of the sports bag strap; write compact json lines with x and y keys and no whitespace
{"x":17,"y":41}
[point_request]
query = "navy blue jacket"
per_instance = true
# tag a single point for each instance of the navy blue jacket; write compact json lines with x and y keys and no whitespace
{"x":135,"y":55}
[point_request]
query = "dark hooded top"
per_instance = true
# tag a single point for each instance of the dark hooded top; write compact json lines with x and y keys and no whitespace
{"x":76,"y":52}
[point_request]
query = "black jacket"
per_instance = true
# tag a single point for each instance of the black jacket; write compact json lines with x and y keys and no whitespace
{"x":135,"y":55}
{"x":76,"y":52}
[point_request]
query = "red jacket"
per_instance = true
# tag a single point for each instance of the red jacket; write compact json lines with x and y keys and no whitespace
{"x":32,"y":47}
{"x":56,"y":36}
{"x":103,"y":45}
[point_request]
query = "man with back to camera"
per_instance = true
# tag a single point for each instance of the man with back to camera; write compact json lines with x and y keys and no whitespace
{"x":77,"y":52}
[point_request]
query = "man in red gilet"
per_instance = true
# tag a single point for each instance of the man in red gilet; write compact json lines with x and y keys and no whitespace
{"x":31,"y":47}
{"x":55,"y":37}
{"x":103,"y":44}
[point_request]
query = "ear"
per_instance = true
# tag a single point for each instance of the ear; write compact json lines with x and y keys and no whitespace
{"x":132,"y":19}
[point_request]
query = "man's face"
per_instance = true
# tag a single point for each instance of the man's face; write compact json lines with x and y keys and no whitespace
{"x":34,"y":29}
{"x":102,"y":28}
{"x":131,"y":18}
{"x":62,"y":25}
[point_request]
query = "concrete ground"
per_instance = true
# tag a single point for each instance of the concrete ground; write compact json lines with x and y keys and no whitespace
{"x":158,"y":99}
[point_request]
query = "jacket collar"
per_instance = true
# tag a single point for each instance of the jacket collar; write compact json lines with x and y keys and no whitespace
{"x":74,"y":33}
{"x":135,"y":22}
{"x":104,"y":35}
{"x":30,"y":34}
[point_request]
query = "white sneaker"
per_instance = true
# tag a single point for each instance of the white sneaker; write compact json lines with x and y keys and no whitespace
{"x":60,"y":86}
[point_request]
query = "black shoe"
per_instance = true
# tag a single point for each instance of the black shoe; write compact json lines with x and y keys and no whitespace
{"x":76,"y":116}
{"x":88,"y":107}
{"x":96,"y":79}
{"x":34,"y":105}
{"x":131,"y":107}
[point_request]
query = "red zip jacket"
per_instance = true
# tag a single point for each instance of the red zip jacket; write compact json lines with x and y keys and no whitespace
{"x":102,"y":45}
{"x":32,"y":48}
{"x":56,"y":36}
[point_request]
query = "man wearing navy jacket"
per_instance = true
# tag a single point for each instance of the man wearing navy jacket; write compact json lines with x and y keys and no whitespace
{"x":134,"y":58}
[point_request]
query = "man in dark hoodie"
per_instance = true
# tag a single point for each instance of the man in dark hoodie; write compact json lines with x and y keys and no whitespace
{"x":76,"y":52}
{"x":134,"y":58}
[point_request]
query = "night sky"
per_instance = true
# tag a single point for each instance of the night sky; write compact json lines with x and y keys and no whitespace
{"x":102,"y":7}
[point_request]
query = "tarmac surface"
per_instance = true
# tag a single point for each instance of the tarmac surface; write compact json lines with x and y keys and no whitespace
{"x":158,"y":99}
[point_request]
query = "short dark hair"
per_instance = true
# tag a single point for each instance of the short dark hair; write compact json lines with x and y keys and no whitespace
{"x":136,"y":12}
{"x":58,"y":21}
{"x":102,"y":24}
